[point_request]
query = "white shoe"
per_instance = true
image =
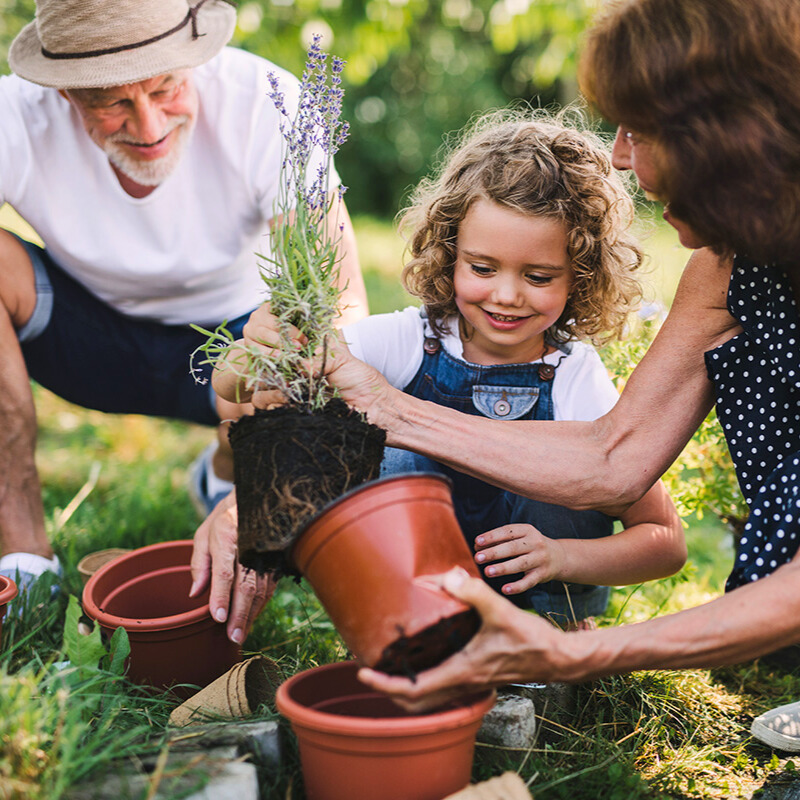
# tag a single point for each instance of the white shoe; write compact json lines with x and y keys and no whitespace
{"x":205,"y":488}
{"x":779,"y":728}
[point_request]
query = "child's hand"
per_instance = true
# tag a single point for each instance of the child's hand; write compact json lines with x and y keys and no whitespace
{"x":527,"y":551}
{"x":262,"y":330}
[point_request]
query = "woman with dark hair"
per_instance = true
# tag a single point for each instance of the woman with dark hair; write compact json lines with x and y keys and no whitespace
{"x":707,"y":99}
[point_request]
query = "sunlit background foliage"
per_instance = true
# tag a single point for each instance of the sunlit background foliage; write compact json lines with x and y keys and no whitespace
{"x":415,"y":70}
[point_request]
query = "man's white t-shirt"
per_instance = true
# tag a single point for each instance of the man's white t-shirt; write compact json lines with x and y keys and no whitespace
{"x":186,"y":252}
{"x":392,"y":343}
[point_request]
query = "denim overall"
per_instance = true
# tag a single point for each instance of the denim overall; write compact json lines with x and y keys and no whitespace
{"x":503,"y":392}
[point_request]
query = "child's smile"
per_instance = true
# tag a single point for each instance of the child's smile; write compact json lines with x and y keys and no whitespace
{"x":512,"y":280}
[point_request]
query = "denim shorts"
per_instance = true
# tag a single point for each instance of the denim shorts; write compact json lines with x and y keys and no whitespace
{"x":83,"y":350}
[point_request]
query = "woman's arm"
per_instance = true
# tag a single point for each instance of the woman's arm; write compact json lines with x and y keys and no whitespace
{"x":651,"y":546}
{"x":608,"y":463}
{"x":514,"y":646}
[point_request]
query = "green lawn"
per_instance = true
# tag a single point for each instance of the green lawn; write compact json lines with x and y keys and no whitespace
{"x":120,"y":481}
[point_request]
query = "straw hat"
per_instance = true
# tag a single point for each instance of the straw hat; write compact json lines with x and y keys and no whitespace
{"x":81,"y":44}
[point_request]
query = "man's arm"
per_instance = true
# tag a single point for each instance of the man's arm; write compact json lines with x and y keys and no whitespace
{"x":353,"y":302}
{"x":608,"y":463}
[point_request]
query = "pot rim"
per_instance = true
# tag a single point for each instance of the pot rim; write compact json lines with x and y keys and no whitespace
{"x":363,"y":488}
{"x":8,"y":589}
{"x":181,"y":620}
{"x":467,"y":712}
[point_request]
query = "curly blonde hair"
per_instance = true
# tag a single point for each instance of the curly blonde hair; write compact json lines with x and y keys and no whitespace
{"x":532,"y":162}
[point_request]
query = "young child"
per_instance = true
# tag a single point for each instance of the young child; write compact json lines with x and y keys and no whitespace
{"x":520,"y":248}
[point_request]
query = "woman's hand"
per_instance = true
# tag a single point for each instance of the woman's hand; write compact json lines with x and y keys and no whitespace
{"x":237,"y":595}
{"x":361,"y":386}
{"x":527,"y":551}
{"x":511,"y":646}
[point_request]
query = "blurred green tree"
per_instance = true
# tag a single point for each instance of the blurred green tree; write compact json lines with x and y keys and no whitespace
{"x":416,"y":70}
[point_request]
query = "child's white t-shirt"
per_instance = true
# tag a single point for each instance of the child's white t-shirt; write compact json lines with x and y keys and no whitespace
{"x":392,"y":343}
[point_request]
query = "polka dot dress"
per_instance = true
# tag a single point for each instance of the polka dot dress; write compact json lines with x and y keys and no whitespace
{"x":757,"y":381}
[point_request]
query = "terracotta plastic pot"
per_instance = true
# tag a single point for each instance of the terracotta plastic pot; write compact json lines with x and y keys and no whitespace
{"x":173,"y":637}
{"x":355,"y":743}
{"x":8,"y":591}
{"x":367,"y":556}
{"x":89,"y":564}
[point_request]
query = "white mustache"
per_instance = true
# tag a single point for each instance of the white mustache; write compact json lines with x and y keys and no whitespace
{"x":172,"y":124}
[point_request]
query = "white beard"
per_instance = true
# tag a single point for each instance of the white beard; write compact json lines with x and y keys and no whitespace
{"x":150,"y":173}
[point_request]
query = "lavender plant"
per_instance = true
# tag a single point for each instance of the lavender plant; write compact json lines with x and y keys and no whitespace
{"x":301,"y":273}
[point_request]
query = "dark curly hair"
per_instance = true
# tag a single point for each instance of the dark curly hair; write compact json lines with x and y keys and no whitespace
{"x":716,"y":85}
{"x":534,"y":163}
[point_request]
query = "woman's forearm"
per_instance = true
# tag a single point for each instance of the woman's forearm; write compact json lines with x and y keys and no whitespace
{"x":734,"y":628}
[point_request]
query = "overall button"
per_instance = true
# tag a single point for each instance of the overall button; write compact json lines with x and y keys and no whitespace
{"x":431,"y":345}
{"x":502,"y":408}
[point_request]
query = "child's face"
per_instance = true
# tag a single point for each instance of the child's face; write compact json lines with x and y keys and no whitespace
{"x":512,"y":279}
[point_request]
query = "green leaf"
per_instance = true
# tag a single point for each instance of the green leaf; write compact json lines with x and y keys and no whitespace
{"x":120,"y":649}
{"x":84,"y":651}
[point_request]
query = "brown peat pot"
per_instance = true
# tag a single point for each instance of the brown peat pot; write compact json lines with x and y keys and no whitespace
{"x":89,"y":564}
{"x":356,"y":743}
{"x":367,"y":555}
{"x":173,"y":638}
{"x":8,"y":591}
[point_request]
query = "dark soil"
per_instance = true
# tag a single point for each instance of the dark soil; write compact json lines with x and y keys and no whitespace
{"x":289,"y":464}
{"x":410,"y":655}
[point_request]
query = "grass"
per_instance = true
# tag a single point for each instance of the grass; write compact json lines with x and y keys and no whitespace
{"x":120,"y":481}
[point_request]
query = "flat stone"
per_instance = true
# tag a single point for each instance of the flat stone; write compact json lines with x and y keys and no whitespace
{"x":553,"y":701}
{"x":778,"y":791}
{"x":236,"y":781}
{"x":511,"y":723}
{"x":192,"y":775}
{"x":258,"y":739}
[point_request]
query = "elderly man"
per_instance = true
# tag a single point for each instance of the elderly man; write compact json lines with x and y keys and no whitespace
{"x":146,"y":155}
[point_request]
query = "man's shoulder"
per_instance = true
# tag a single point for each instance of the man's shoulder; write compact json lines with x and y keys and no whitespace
{"x":26,"y":106}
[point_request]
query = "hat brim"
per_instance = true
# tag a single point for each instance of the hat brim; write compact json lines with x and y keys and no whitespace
{"x":216,"y":23}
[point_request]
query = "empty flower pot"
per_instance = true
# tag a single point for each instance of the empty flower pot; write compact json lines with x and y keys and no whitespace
{"x":8,"y":591}
{"x":367,"y":557}
{"x":173,"y":638}
{"x":356,"y":743}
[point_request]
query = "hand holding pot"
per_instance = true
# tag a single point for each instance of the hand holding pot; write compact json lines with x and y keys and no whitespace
{"x":520,"y":548}
{"x":237,"y":595}
{"x":511,"y":646}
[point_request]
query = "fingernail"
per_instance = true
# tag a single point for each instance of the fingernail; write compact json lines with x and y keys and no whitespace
{"x":479,"y":540}
{"x":480,"y":558}
{"x":237,"y":636}
{"x":490,"y":570}
{"x":220,"y":615}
